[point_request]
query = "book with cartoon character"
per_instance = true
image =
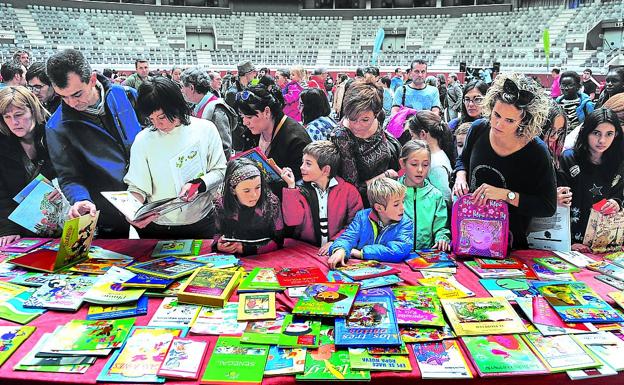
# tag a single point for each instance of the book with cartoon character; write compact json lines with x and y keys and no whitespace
{"x":212,"y":287}
{"x":299,"y":332}
{"x":441,"y":359}
{"x":367,"y":269}
{"x":479,"y":316}
{"x":285,"y":361}
{"x":217,"y":321}
{"x":11,"y":337}
{"x":134,"y":210}
{"x":360,"y":358}
{"x":173,"y":313}
{"x":557,"y":265}
{"x":256,"y":306}
{"x":266,"y":332}
{"x":166,"y":267}
{"x":73,"y":248}
{"x":235,"y":362}
{"x":61,"y":293}
{"x":327,"y":299}
{"x":141,"y":354}
{"x":371,"y":322}
{"x":183,"y":359}
{"x":418,"y":305}
{"x":90,"y":335}
{"x":299,"y":276}
{"x":260,"y":279}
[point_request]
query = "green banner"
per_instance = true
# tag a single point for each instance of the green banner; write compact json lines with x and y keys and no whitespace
{"x":546,"y":41}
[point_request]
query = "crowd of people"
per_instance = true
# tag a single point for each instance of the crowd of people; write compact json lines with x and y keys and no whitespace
{"x":370,"y":166}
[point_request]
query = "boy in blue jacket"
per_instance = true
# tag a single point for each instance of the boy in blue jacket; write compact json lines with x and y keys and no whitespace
{"x":381,"y":233}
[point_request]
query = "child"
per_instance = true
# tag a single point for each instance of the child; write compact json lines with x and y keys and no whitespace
{"x":424,"y":204}
{"x":382,"y":232}
{"x":248,"y":214}
{"x":460,"y":136}
{"x":325,"y":204}
{"x":575,"y":103}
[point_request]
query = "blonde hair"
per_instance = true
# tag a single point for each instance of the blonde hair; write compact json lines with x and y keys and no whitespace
{"x":382,"y":189}
{"x":463,"y":129}
{"x":21,"y":97}
{"x":299,"y":71}
{"x":534,"y":114}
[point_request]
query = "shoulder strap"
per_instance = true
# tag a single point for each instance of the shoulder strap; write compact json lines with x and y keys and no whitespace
{"x":403,"y":98}
{"x":200,"y":112}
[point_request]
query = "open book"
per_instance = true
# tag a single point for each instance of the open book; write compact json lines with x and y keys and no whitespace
{"x":125,"y":202}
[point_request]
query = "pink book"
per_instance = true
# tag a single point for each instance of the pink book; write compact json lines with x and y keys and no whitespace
{"x":545,"y":315}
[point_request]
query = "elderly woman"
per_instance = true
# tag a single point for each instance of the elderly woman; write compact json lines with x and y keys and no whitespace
{"x":23,"y":154}
{"x":504,"y":159}
{"x":367,"y":150}
{"x":474,"y":92}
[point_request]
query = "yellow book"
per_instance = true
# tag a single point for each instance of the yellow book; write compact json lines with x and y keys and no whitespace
{"x":618,"y":297}
{"x":445,"y":288}
{"x":256,"y":306}
{"x":208,"y":286}
{"x":482,"y":316}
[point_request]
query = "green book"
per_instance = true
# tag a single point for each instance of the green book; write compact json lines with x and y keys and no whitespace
{"x":260,"y":279}
{"x":418,"y":305}
{"x":327,"y":299}
{"x":12,"y":338}
{"x":298,"y":332}
{"x":328,"y":364}
{"x":13,"y":309}
{"x":91,"y":335}
{"x":235,"y":362}
{"x":360,"y":358}
{"x":557,"y":265}
{"x":264,"y":332}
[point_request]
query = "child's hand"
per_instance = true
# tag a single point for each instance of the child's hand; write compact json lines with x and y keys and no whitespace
{"x":442,"y":245}
{"x":229,"y":247}
{"x":564,"y":196}
{"x":288,"y":177}
{"x":337,"y":259}
{"x":357,"y":254}
{"x":324,"y":250}
{"x":611,"y":207}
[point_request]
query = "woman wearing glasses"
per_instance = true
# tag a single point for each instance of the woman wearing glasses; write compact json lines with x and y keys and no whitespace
{"x":474,"y":92}
{"x":23,"y":153}
{"x":503,"y":158}
{"x":279,"y":136}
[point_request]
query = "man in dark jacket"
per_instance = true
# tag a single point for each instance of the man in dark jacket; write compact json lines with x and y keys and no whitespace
{"x":89,"y":138}
{"x":39,"y":84}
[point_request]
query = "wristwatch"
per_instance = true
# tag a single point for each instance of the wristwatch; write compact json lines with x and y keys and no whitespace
{"x":511,"y":196}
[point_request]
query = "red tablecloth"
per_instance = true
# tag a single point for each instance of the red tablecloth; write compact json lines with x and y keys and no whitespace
{"x":296,"y":254}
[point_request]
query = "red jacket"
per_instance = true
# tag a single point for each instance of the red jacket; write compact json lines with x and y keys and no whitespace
{"x":318,"y":81}
{"x":300,"y":209}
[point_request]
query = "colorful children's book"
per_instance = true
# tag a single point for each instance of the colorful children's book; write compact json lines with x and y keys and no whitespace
{"x":268,"y":167}
{"x":140,"y":356}
{"x":606,"y":346}
{"x":74,"y":247}
{"x":546,"y":320}
{"x":608,"y":268}
{"x":19,"y":198}
{"x":560,"y":353}
{"x":167,"y":267}
{"x":509,"y":288}
{"x":13,"y":309}
{"x":24,"y":245}
{"x":577,"y":302}
{"x":557,"y":265}
{"x":479,"y":316}
{"x":617,"y":257}
{"x":443,"y":359}
{"x":235,"y":362}
{"x":61,"y":294}
{"x":329,"y":364}
{"x":97,"y":266}
{"x":264,"y":332}
{"x":389,"y":350}
{"x":386,"y":280}
{"x":52,"y":364}
{"x":256,"y":306}
{"x":299,"y":332}
{"x":300,"y":276}
{"x":10,"y":290}
{"x":285,"y":361}
{"x":132,"y":208}
{"x":360,"y":358}
{"x":446,"y":288}
{"x":12,"y":338}
{"x":499,"y":355}
{"x":418,"y":305}
{"x":90,"y":335}
{"x":218,"y":321}
{"x":616,"y":283}
{"x":327,"y":299}
{"x":212,"y":287}
{"x":183,"y":359}
{"x":103,"y":312}
{"x":576,"y":258}
{"x":412,"y":334}
{"x":618,"y":297}
{"x":107,"y":290}
{"x":546,"y":274}
{"x":367,"y":269}
{"x":170,"y":291}
{"x":493,"y":273}
{"x":179,"y":247}
{"x":260,"y":279}
{"x":583,"y":374}
{"x":371,"y":322}
{"x":429,"y":259}
{"x":216,"y":261}
{"x":604,"y":232}
{"x":170,"y":312}
{"x":507,"y":263}
{"x":37,"y":213}
{"x":35,"y":279}
{"x":144,"y":280}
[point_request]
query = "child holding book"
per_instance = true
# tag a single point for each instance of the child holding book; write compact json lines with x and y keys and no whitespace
{"x":248,"y":215}
{"x":424,"y":204}
{"x":325,"y":204}
{"x":380,"y":233}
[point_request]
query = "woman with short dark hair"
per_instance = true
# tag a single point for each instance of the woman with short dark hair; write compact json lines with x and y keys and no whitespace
{"x":315,"y":114}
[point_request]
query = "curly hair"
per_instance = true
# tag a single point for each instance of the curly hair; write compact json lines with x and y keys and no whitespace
{"x":534,"y":114}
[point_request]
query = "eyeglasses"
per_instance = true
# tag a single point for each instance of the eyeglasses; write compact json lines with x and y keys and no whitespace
{"x":476,"y":100}
{"x":35,"y":89}
{"x":514,"y":95}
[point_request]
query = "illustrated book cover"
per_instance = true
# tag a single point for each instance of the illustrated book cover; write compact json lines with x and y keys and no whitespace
{"x":256,"y":306}
{"x":235,"y":362}
{"x":479,"y":316}
{"x":183,"y":359}
{"x":212,"y":287}
{"x":327,"y":299}
{"x":441,"y":359}
{"x":418,"y":305}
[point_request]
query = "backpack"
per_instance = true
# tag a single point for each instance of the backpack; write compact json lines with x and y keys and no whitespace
{"x":480,"y":230}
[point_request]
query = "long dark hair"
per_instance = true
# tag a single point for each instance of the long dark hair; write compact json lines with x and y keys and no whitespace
{"x":315,"y":104}
{"x":612,"y":157}
{"x":231,"y":205}
{"x":163,"y":94}
{"x":482,"y":87}
{"x":555,"y":110}
{"x":429,"y":121}
{"x":256,"y":98}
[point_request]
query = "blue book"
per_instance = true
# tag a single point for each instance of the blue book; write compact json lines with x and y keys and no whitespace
{"x":102,"y":312}
{"x":372,"y":322}
{"x":40,"y":215}
{"x":144,"y":280}
{"x":369,"y":283}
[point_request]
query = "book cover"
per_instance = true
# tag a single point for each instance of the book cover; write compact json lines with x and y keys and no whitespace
{"x":256,"y":306}
{"x":166,"y":267}
{"x":557,"y":265}
{"x":446,"y":288}
{"x":24,"y":245}
{"x":53,"y":365}
{"x":442,"y":359}
{"x":369,"y":283}
{"x":546,"y":320}
{"x":171,"y":312}
{"x":412,"y":334}
{"x":360,"y":358}
{"x":367,"y":269}
{"x":140,"y":356}
{"x":300,"y":276}
{"x":170,"y":291}
{"x":260,"y":279}
{"x":267,"y":166}
{"x":179,"y":247}
{"x":327,"y":299}
{"x":107,"y":290}
{"x":97,"y":266}
{"x":479,"y":316}
{"x":576,"y":258}
{"x":235,"y":362}
{"x":13,"y":309}
{"x":264,"y":332}
{"x":285,"y":361}
{"x":560,"y":353}
{"x":551,"y":233}
{"x":605,"y":346}
{"x":418,"y":305}
{"x":608,"y":268}
{"x":218,"y":321}
{"x":494,"y":273}
{"x":10,"y":290}
{"x":617,"y":257}
{"x":616,"y":283}
{"x":389,"y":350}
{"x":371,"y":322}
{"x":329,"y":364}
{"x":61,"y":294}
{"x":618,"y":297}
{"x":90,"y":335}
{"x":12,"y":337}
{"x":299,"y":332}
{"x":507,"y":263}
{"x":429,"y":259}
{"x":103,"y":312}
{"x":509,"y":288}
{"x":144,"y":280}
{"x":19,"y":198}
{"x":132,"y":208}
{"x":216,"y":261}
{"x":577,"y":302}
{"x":183,"y":359}
{"x":546,"y":274}
{"x":497,"y":355}
{"x":34,"y":279}
{"x":604,"y":232}
{"x":39,"y":214}
{"x":208,"y":286}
